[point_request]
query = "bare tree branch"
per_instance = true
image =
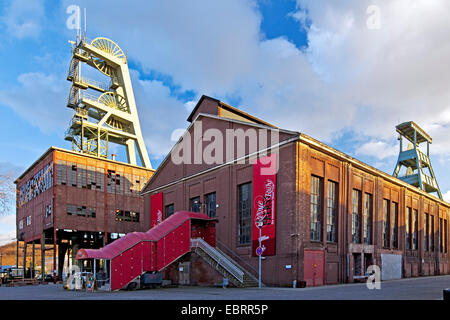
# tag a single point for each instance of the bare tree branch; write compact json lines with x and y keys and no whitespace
{"x":7,"y":192}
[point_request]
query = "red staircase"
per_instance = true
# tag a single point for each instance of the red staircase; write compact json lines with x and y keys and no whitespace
{"x":140,"y":252}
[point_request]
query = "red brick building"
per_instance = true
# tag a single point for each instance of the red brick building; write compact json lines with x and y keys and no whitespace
{"x":335,"y":215}
{"x":67,"y":200}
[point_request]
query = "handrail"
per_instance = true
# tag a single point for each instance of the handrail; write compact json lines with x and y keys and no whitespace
{"x":92,"y":82}
{"x":235,"y":256}
{"x":219,"y":258}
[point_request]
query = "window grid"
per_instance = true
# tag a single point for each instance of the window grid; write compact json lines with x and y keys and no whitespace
{"x":356,"y":216}
{"x":244,"y":213}
{"x":316,"y":208}
{"x":331,"y":211}
{"x":408,"y":228}
{"x":386,"y":223}
{"x":394,"y":224}
{"x":368,"y":213}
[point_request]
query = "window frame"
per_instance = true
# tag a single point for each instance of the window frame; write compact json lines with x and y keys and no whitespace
{"x":332,"y":211}
{"x":316,"y":214}
{"x":244,"y":215}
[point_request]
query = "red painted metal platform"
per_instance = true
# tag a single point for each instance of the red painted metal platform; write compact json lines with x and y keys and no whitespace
{"x":139,"y":252}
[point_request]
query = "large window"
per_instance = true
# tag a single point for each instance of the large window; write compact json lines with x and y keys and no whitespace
{"x":210,"y":201}
{"x":122,"y":215}
{"x":195,"y":204}
{"x":356,"y":217}
{"x":394,"y":224}
{"x":426,"y":230}
{"x":441,"y":235}
{"x":445,"y":236}
{"x":385,"y":223}
{"x":414,"y":230}
{"x":331,"y":211}
{"x":244,"y":213}
{"x":431,"y":233}
{"x":408,"y":228}
{"x":168,"y":210}
{"x":81,"y":211}
{"x":316,"y":208}
{"x":368,"y":216}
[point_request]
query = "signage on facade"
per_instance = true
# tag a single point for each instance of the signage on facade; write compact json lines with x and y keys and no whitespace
{"x":41,"y":181}
{"x":264,"y":205}
{"x":156,"y":203}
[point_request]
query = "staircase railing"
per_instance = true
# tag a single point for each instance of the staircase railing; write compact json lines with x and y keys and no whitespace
{"x":248,"y":267}
{"x":219,"y":258}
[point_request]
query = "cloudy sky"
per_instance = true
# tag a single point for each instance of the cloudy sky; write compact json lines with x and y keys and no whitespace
{"x":345,"y":72}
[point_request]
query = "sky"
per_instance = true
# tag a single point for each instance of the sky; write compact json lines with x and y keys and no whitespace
{"x":344,"y":72}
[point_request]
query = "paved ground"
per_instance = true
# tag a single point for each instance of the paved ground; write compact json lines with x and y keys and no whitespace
{"x":425,"y":288}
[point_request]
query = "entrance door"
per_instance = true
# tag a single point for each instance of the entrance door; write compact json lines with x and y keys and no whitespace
{"x":184,"y":274}
{"x":314,"y":268}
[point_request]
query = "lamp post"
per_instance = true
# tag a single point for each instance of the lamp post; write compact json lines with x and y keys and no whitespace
{"x":259,"y":224}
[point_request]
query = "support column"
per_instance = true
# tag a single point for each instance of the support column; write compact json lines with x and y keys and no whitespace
{"x":17,"y":253}
{"x":43,"y":256}
{"x":54,"y":253}
{"x":32,"y":263}
{"x":24,"y":258}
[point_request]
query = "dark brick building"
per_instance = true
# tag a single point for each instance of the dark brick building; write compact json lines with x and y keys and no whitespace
{"x":335,"y":215}
{"x":67,"y":200}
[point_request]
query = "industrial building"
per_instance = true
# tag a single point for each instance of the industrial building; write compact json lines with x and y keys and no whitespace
{"x":234,"y":187}
{"x":67,"y":200}
{"x":84,"y":198}
{"x":333,"y":215}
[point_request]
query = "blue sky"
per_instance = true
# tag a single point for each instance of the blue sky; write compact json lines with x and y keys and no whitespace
{"x":319,"y":67}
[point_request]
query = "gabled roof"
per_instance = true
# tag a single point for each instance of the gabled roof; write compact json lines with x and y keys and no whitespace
{"x":229,"y":108}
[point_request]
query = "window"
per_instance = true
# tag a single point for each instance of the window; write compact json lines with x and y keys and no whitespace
{"x":356,"y":217}
{"x":168,"y":210}
{"x":368,"y":218}
{"x":316,"y":208}
{"x":81,"y":211}
{"x":48,"y":211}
{"x":20,"y":224}
{"x":71,"y":210}
{"x":210,"y":201}
{"x":331,"y":211}
{"x":394,"y":224}
{"x":431,"y":233}
{"x":426,"y":230}
{"x":441,"y":235}
{"x":244,"y":213}
{"x":28,"y":220}
{"x":385,"y":223}
{"x":130,"y":216}
{"x":445,"y":236}
{"x":195,"y":204}
{"x":408,"y":228}
{"x":414,"y":230}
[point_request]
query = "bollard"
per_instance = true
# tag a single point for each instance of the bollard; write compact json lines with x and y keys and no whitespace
{"x":446,"y":294}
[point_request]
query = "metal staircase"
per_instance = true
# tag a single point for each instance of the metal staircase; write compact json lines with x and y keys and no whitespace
{"x":223,"y":263}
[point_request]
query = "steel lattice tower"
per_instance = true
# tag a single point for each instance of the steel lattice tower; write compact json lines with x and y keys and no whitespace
{"x":109,"y":116}
{"x":415,"y":160}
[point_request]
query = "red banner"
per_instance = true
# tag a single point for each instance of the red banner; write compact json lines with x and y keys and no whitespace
{"x":156,"y":211}
{"x":264,"y":204}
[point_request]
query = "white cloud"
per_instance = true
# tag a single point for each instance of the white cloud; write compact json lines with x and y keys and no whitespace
{"x":23,"y":18}
{"x":41,"y":100}
{"x":159,"y":114}
{"x":378,"y":149}
{"x":446,"y":196}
